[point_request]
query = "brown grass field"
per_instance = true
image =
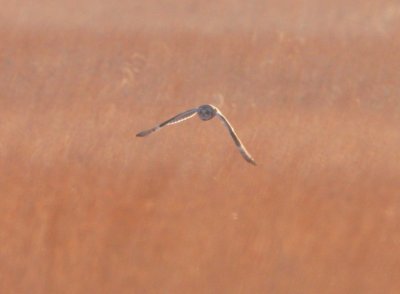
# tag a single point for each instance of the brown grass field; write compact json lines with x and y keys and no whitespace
{"x":312,"y":88}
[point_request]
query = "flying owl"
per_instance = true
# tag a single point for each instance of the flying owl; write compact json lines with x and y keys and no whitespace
{"x":205,"y":112}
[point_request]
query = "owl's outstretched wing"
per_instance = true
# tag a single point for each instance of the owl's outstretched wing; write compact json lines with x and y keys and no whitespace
{"x":174,"y":120}
{"x":246,"y":155}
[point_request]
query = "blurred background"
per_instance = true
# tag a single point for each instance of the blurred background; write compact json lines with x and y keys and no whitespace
{"x":311,"y":87}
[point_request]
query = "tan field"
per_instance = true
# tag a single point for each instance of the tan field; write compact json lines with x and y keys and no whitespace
{"x":311,"y":87}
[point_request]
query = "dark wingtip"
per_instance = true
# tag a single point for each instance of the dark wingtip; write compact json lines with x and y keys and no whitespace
{"x":146,"y":132}
{"x":142,"y":134}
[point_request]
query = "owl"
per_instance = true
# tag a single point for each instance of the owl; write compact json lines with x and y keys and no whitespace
{"x":205,"y":112}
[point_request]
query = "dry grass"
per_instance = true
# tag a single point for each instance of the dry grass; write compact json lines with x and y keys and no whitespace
{"x":86,"y":207}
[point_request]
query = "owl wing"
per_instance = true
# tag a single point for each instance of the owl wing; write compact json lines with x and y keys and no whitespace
{"x":174,"y":120}
{"x":246,"y":155}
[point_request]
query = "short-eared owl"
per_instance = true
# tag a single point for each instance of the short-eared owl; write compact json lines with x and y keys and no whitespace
{"x":205,"y":112}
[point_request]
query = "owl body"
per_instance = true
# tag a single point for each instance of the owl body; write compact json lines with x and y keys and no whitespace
{"x":206,"y":112}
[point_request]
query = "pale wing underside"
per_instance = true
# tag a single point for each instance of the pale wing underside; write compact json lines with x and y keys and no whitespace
{"x":246,"y":155}
{"x":174,"y":120}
